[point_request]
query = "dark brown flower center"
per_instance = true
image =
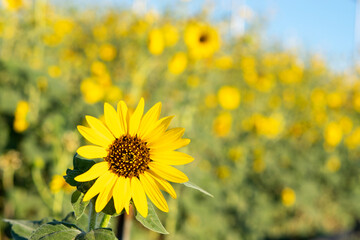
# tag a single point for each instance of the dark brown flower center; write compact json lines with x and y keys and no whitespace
{"x":203,"y":38}
{"x":128,"y":156}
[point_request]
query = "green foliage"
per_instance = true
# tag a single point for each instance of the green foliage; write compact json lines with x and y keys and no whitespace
{"x":98,"y":234}
{"x":78,"y":205}
{"x":22,"y":229}
{"x":152,"y":221}
{"x":196,"y":187}
{"x":81,"y":165}
{"x":55,"y":230}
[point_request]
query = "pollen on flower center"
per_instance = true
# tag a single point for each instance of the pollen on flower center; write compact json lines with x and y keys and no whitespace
{"x":128,"y":156}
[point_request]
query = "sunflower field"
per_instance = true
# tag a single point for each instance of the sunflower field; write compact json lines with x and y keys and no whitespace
{"x":275,"y":137}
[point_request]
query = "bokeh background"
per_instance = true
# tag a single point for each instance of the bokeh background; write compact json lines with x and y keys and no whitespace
{"x":273,"y":119}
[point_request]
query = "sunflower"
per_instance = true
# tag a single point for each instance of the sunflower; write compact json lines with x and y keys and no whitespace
{"x":137,"y":152}
{"x":202,"y":40}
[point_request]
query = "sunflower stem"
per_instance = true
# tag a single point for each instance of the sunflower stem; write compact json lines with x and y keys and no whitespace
{"x":105,"y":221}
{"x":92,"y":215}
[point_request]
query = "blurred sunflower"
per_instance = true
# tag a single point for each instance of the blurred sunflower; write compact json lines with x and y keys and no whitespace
{"x":137,"y":152}
{"x":202,"y":40}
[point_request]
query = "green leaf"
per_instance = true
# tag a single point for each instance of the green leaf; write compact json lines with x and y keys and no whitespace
{"x":55,"y":231}
{"x":152,"y":221}
{"x":22,"y":229}
{"x":98,"y":234}
{"x":78,"y":204}
{"x":81,"y":165}
{"x":81,"y":222}
{"x":196,"y":187}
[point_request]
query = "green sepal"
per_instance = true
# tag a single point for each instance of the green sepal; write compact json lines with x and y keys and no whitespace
{"x":109,"y":209}
{"x":78,"y":204}
{"x":56,"y":231}
{"x":22,"y":229}
{"x":196,"y":187}
{"x":152,"y":220}
{"x":81,"y":165}
{"x":98,"y":234}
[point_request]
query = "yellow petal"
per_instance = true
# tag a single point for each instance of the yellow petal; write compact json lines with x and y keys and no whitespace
{"x":182,"y":142}
{"x":127,"y":195}
{"x":95,"y":171}
{"x":91,"y":151}
{"x":93,"y":136}
{"x":159,"y":129}
{"x":149,"y":119}
{"x":105,"y":195}
{"x":119,"y":194}
{"x":136,"y":118}
{"x":153,"y":192}
{"x":97,"y":125}
{"x":167,"y":138}
{"x":167,"y":172}
{"x":171,"y":157}
{"x":139,"y":197}
{"x":122,"y":112}
{"x":164,"y":185}
{"x":98,"y":186}
{"x":112,"y":120}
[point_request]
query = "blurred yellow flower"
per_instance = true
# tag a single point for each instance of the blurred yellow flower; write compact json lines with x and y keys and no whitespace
{"x":58,"y":183}
{"x":265,"y":83}
{"x":156,"y":42}
{"x":21,"y":112}
{"x":177,"y":63}
{"x":236,"y":153}
{"x":202,"y":40}
{"x":356,"y":101}
{"x":270,"y":126}
{"x":248,"y":63}
{"x":353,"y":140}
{"x":229,"y":97}
{"x":333,"y":164}
{"x":333,"y":134}
{"x":318,"y":98}
{"x":171,"y":35}
{"x":107,"y":52}
{"x":63,"y":27}
{"x":54,"y":71}
{"x":346,"y":124}
{"x":113,"y":94}
{"x":223,"y":172}
{"x":294,"y":74}
{"x":288,"y":197}
{"x":222,"y":124}
{"x":98,"y":68}
{"x":13,"y":5}
{"x":335,"y":99}
{"x":91,"y":91}
{"x":224,"y":62}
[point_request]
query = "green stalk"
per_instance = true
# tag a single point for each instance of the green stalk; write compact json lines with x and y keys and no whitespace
{"x":92,"y":215}
{"x":105,"y":221}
